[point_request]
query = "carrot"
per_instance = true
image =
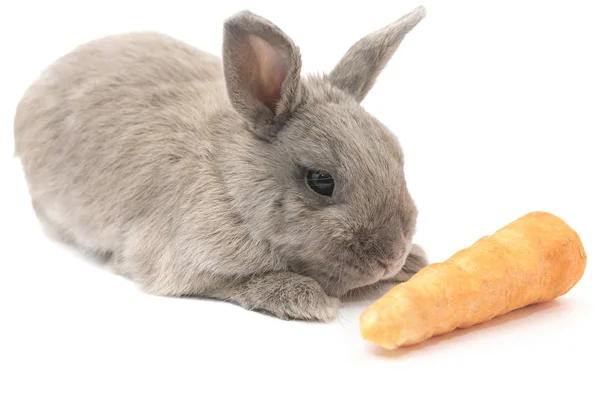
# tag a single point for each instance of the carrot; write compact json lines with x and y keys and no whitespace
{"x":534,"y":259}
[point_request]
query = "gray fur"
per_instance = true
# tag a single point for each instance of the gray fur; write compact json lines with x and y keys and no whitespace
{"x":185,"y":169}
{"x":358,"y":69}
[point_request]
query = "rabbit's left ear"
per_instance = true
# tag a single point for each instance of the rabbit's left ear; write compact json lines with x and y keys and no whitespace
{"x":358,"y":69}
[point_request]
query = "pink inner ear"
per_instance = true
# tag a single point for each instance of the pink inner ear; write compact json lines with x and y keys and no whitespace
{"x":270,"y":71}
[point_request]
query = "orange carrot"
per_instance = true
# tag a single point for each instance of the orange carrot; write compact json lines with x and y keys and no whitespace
{"x":534,"y":259}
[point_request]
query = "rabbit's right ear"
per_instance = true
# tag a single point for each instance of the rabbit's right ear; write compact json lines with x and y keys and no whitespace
{"x":262,"y":71}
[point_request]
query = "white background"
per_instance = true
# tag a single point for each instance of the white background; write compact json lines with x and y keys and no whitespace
{"x":497,"y":106}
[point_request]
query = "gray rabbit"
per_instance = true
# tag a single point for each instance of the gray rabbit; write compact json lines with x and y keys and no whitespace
{"x":235,"y":179}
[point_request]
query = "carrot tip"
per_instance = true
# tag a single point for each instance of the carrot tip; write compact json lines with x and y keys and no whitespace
{"x":368,"y":320}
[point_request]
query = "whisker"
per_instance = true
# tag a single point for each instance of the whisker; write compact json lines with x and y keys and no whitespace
{"x":315,"y":180}
{"x":380,"y":253}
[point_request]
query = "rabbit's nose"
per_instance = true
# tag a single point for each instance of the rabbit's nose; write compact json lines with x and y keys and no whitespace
{"x":376,"y":247}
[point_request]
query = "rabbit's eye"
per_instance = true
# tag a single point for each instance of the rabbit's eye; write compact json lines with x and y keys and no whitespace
{"x":320,"y":182}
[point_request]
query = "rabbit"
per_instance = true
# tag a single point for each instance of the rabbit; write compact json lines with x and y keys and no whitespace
{"x":232,"y":178}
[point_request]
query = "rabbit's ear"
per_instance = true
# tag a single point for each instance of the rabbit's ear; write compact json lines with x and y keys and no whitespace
{"x":262,"y":70}
{"x":359,"y":67}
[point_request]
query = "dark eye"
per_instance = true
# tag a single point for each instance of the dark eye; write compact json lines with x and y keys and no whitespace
{"x":320,"y":182}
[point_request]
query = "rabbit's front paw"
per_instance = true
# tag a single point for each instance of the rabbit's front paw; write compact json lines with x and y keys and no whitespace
{"x":286,"y":295}
{"x":304,"y":299}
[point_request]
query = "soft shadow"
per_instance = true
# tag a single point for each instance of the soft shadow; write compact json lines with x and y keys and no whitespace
{"x":509,"y":318}
{"x":97,"y":259}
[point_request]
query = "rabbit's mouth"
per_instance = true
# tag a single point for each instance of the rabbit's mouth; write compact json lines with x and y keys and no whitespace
{"x":339,"y":279}
{"x":386,"y":265}
{"x":353,"y":277}
{"x":394,"y":267}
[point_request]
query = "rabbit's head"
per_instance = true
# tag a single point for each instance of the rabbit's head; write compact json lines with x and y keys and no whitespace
{"x":322,"y":180}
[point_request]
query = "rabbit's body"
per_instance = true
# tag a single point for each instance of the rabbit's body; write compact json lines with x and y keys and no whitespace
{"x":165,"y":123}
{"x":144,"y":148}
